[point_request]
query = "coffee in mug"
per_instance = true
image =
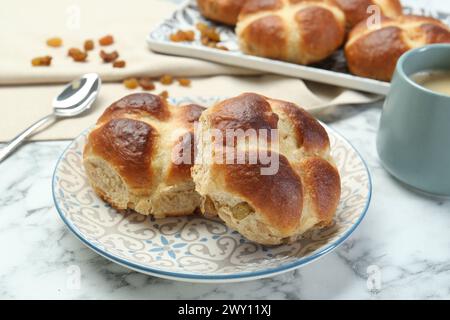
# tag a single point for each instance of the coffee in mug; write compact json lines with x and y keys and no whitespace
{"x":434,"y":80}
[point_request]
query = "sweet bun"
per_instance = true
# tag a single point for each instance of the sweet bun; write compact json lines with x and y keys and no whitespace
{"x":129,"y":156}
{"x":269,"y":209}
{"x":358,"y":10}
{"x":297,"y":31}
{"x":223,"y":11}
{"x":374,"y":52}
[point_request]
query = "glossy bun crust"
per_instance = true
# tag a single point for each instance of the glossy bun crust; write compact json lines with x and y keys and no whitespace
{"x":298,"y":31}
{"x":130,"y":157}
{"x":359,"y":10}
{"x":273,"y":208}
{"x":223,"y":11}
{"x":374,"y":52}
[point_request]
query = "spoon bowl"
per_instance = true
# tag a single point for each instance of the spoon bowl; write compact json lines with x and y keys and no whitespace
{"x":77,"y":96}
{"x":74,"y":99}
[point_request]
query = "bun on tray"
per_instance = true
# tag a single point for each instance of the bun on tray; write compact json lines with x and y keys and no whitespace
{"x":223,"y":11}
{"x":297,"y":31}
{"x":128,"y":156}
{"x":374,"y":52}
{"x":271,"y":208}
{"x":357,"y":10}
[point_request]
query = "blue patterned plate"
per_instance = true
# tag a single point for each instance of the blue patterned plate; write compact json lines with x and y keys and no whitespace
{"x":197,"y":249}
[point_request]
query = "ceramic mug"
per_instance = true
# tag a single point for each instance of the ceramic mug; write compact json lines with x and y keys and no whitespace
{"x":414,"y":137}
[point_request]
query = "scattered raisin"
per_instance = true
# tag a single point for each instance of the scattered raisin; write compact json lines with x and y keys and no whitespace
{"x":119,"y":64}
{"x":184,"y":82}
{"x":72,"y":51}
{"x":204,"y":40}
{"x":88,"y":45}
{"x":41,"y":61}
{"x":131,"y":83}
{"x":212,"y":34}
{"x":164,"y":94}
{"x":220,"y":47}
{"x":201,"y":26}
{"x":146,"y":84}
{"x":208,"y":35}
{"x":54,"y":42}
{"x":106,"y":40}
{"x":181,"y":35}
{"x":208,"y":32}
{"x":77,"y":55}
{"x":109,"y":57}
{"x":166,"y":79}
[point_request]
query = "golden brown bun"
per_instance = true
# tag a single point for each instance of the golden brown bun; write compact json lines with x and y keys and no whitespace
{"x":357,"y":10}
{"x":223,"y":11}
{"x":269,"y":209}
{"x":298,"y":31}
{"x":373,"y":53}
{"x":128,"y":156}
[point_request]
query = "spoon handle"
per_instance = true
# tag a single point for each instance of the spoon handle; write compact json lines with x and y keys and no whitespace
{"x":14,"y":143}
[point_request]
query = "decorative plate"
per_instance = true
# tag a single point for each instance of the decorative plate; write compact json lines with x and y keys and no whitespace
{"x":331,"y":71}
{"x":198,"y":249}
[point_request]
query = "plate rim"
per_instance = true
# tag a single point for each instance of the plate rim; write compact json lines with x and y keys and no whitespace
{"x":235,"y":277}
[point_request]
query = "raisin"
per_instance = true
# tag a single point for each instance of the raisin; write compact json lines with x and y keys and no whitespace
{"x":119,"y":64}
{"x":208,"y":32}
{"x":220,"y":47}
{"x":81,"y":57}
{"x":77,"y":55}
{"x":184,"y":82}
{"x":54,"y":42}
{"x":72,"y":51}
{"x":181,"y":35}
{"x":146,"y":84}
{"x":212,"y":34}
{"x":106,"y":40}
{"x":208,"y":35}
{"x":204,"y":40}
{"x":164,"y":94}
{"x":208,"y":207}
{"x":109,"y":57}
{"x":41,"y":61}
{"x":88,"y":45}
{"x":201,"y":26}
{"x":131,"y":83}
{"x":241,"y":210}
{"x":166,"y":79}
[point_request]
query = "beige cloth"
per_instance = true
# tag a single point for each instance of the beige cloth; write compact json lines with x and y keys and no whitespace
{"x":25,"y":25}
{"x":25,"y":104}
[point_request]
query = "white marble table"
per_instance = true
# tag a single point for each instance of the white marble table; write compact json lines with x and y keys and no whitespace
{"x":403,"y":244}
{"x":404,"y":241}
